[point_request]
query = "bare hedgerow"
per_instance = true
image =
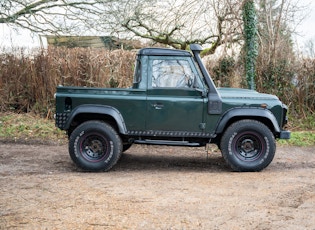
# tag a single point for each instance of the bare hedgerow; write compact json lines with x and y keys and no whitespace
{"x":304,"y":87}
{"x":28,"y":82}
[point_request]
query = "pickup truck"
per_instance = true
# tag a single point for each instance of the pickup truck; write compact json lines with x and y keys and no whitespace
{"x":173,"y":101}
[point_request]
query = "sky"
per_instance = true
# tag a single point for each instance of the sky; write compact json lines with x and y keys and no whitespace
{"x":24,"y":38}
{"x":306,"y":29}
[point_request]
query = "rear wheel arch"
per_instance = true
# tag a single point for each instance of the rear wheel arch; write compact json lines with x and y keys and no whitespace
{"x":107,"y":114}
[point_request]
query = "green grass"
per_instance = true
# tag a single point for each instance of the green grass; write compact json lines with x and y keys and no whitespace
{"x":31,"y":128}
{"x":305,"y":122}
{"x":300,"y":138}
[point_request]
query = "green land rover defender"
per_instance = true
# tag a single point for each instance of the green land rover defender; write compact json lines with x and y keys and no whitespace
{"x":173,"y":101}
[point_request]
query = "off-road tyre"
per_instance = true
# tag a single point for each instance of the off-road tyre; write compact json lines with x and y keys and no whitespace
{"x":248,"y":145}
{"x":95,"y":146}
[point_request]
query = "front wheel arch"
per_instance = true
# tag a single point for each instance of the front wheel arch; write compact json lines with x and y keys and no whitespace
{"x":262,"y":115}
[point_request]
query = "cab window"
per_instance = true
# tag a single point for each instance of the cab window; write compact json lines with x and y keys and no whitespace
{"x":174,"y":74}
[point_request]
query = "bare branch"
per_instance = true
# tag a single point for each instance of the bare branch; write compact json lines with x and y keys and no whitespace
{"x":51,"y":15}
{"x":179,"y":23}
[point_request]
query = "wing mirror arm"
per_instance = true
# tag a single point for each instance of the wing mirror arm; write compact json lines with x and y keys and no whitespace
{"x":204,"y":92}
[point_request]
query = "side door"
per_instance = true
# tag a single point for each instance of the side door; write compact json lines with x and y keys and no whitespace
{"x":175,"y":101}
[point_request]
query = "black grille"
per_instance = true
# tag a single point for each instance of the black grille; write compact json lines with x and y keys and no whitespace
{"x":61,"y":119}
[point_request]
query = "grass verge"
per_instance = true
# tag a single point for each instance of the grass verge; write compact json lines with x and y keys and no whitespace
{"x":29,"y":128}
{"x":300,"y":138}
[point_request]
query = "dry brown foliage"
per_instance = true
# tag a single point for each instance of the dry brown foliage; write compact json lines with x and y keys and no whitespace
{"x":28,"y":82}
{"x":303,"y":94}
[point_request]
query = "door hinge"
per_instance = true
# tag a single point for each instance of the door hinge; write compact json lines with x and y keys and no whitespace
{"x":202,"y":126}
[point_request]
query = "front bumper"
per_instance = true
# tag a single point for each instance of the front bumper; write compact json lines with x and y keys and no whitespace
{"x":284,"y":134}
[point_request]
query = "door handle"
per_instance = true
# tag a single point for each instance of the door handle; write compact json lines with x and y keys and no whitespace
{"x":157,"y":106}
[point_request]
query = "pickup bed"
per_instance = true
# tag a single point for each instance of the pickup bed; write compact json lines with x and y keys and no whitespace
{"x":173,"y":101}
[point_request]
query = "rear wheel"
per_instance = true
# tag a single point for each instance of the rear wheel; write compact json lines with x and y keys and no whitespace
{"x":95,"y":146}
{"x":248,"y":145}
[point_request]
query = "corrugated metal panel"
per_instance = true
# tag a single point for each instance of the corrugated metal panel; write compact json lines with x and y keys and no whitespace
{"x":82,"y":41}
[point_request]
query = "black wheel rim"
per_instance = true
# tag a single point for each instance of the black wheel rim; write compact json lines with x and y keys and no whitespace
{"x":248,"y":146}
{"x":94,"y":147}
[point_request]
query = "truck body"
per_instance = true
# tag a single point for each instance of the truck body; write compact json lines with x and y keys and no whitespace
{"x":173,"y":101}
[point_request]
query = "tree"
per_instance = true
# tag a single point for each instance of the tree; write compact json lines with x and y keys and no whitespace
{"x":250,"y":46}
{"x":175,"y":23}
{"x":52,"y":16}
{"x":179,"y":23}
{"x":276,"y":54}
{"x":310,"y":48}
{"x":277,"y":66}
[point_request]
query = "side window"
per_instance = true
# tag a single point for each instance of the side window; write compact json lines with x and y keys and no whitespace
{"x":172,"y":73}
{"x":140,"y":73}
{"x":137,"y":72}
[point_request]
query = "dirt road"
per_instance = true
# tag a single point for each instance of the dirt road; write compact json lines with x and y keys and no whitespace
{"x":154,"y":187}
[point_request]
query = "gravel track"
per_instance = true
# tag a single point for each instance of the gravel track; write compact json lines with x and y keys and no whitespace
{"x":154,"y":187}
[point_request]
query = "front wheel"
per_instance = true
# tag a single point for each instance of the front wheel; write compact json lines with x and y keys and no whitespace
{"x":95,"y":146}
{"x":248,"y":145}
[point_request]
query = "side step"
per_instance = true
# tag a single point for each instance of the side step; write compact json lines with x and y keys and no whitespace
{"x":163,"y":142}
